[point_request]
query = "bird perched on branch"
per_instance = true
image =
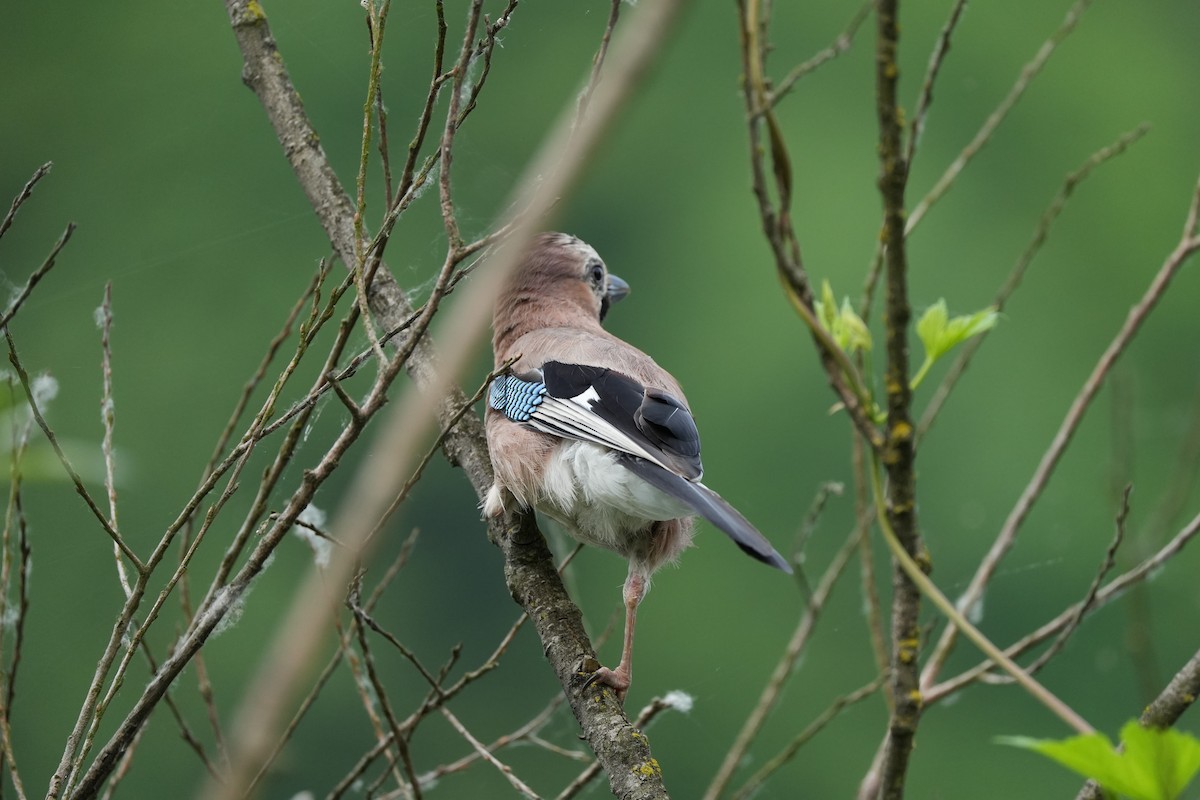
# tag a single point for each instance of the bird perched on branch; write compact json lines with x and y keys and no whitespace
{"x":592,"y":432}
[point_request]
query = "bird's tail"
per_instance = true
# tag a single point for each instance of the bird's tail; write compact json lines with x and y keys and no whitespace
{"x":709,"y":505}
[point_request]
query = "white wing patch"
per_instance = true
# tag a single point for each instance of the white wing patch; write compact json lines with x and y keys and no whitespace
{"x":573,"y":418}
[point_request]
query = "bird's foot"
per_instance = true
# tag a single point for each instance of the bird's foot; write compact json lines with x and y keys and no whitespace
{"x":618,"y":679}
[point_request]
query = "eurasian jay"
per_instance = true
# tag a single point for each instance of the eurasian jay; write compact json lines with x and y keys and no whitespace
{"x":590,"y":431}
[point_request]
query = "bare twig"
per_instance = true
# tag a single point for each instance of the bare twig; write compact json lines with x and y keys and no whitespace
{"x":1089,"y":597}
{"x":446,"y":149}
{"x":525,"y":733}
{"x":298,"y":634}
{"x":936,"y":59}
{"x":786,"y":668}
{"x":917,"y":575}
{"x":1110,"y":592}
{"x":414,"y":146}
{"x":1040,"y":234}
{"x":23,"y":195}
{"x":36,"y":276}
{"x":448,"y":427}
{"x":108,"y":417}
{"x":754,"y":784}
{"x":380,"y":692}
{"x":984,"y":134}
{"x":840,"y":45}
{"x":376,"y":24}
{"x":597,"y":61}
{"x":776,"y":217}
{"x":1189,"y":243}
{"x":23,"y":376}
{"x":504,"y":769}
{"x":14,"y":518}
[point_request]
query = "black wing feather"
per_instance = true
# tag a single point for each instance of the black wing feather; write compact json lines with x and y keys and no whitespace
{"x":711,"y":506}
{"x":655,"y":419}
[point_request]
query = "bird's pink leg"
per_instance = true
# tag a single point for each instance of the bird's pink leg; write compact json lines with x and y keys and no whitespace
{"x":619,"y":678}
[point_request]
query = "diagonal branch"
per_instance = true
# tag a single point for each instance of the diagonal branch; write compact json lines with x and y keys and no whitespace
{"x":632,"y":772}
{"x":1188,"y":245}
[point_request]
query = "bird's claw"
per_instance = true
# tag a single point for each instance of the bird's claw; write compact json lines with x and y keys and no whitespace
{"x":617,"y":679}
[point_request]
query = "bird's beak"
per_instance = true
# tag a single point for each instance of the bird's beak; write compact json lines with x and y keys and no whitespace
{"x":617,"y":289}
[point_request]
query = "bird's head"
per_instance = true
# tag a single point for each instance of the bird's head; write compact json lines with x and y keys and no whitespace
{"x":564,"y":270}
{"x":561,"y":283}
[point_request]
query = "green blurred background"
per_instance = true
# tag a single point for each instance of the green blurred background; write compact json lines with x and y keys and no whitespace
{"x":185,"y":203}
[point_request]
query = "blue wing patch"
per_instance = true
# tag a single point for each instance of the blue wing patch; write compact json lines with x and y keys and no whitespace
{"x":516,"y":398}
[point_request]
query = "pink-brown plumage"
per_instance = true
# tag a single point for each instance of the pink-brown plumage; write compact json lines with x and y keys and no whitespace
{"x":613,"y":454}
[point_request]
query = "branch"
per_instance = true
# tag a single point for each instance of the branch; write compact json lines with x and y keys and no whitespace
{"x":984,"y":134}
{"x":917,"y":575}
{"x":1177,"y":697}
{"x":23,"y":195}
{"x":777,"y":226}
{"x":632,"y":773}
{"x":1040,"y":234}
{"x":785,"y":669}
{"x":1188,"y":245}
{"x":1111,"y":591}
{"x":899,"y":452}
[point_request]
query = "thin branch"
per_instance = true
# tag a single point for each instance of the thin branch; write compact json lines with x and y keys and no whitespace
{"x":581,"y":104}
{"x":984,"y":134}
{"x":504,"y":769}
{"x":756,"y":781}
{"x":1089,"y":597}
{"x":23,"y":376}
{"x":525,"y":733}
{"x":785,"y":669}
{"x":14,"y":518}
{"x":1110,"y":592}
{"x":23,"y":195}
{"x":840,"y":45}
{"x":108,"y":417}
{"x":36,"y":276}
{"x":776,"y":217}
{"x":927,"y":588}
{"x":1188,"y":245}
{"x":936,"y":59}
{"x":376,"y":24}
{"x":446,"y":149}
{"x":448,"y":427}
{"x":1015,"y":276}
{"x":435,"y":84}
{"x":380,"y":692}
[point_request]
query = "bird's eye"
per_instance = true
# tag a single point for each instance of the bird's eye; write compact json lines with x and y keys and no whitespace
{"x":597,"y":274}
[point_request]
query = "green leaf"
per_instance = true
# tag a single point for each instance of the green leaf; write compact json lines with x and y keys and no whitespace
{"x":1166,"y":759}
{"x":1156,"y":764}
{"x":844,"y":325}
{"x":932,"y":327}
{"x":858,"y":336}
{"x":826,"y":307}
{"x":940,"y":334}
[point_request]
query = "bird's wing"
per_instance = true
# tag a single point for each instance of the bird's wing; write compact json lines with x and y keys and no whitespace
{"x":600,"y":405}
{"x":711,"y":506}
{"x":651,"y":429}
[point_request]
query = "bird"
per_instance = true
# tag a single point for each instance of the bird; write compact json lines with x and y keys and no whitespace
{"x":590,"y":431}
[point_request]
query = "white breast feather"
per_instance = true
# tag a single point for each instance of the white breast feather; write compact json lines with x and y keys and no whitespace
{"x":601,"y":501}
